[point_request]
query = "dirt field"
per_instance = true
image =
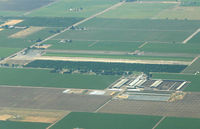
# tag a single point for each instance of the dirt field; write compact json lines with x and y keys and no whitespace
{"x":82,"y":59}
{"x":5,"y":117}
{"x":26,"y":32}
{"x":188,"y":107}
{"x":39,"y":119}
{"x":48,"y":99}
{"x":11,"y":22}
{"x":28,"y":115}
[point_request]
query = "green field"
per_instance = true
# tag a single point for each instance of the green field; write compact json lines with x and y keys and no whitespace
{"x":194,"y":79}
{"x":134,"y":10}
{"x":73,"y":8}
{"x":22,"y":5}
{"x":95,"y":45}
{"x":106,"y":121}
{"x":180,"y":12}
{"x":195,"y":39}
{"x":179,"y":123}
{"x":22,"y":125}
{"x":4,"y":52}
{"x":44,"y":78}
{"x":44,"y":33}
{"x":48,"y":21}
{"x":10,"y":45}
{"x":142,"y":24}
{"x":11,"y":13}
{"x":7,"y":41}
{"x":127,"y":35}
{"x":193,"y":68}
{"x":187,"y":48}
{"x":133,"y":30}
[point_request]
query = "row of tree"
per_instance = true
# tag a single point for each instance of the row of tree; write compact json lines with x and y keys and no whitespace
{"x":106,"y":68}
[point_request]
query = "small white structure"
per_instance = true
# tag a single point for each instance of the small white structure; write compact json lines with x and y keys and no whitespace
{"x":97,"y":92}
{"x":66,"y":91}
{"x":156,"y":83}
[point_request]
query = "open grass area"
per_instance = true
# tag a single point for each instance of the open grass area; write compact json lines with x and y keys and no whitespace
{"x":194,"y":79}
{"x":180,"y":12}
{"x":73,"y":8}
{"x":172,"y":48}
{"x":179,"y":123}
{"x":133,"y":30}
{"x":22,"y":125}
{"x":106,"y":121}
{"x":44,"y":78}
{"x":133,"y":10}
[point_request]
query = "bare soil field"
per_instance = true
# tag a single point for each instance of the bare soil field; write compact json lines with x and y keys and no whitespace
{"x":26,"y":32}
{"x":39,"y":119}
{"x":30,"y":115}
{"x":5,"y":117}
{"x":48,"y":99}
{"x":11,"y":22}
{"x":188,"y":107}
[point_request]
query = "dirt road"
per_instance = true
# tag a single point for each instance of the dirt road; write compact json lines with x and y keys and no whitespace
{"x":110,"y":60}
